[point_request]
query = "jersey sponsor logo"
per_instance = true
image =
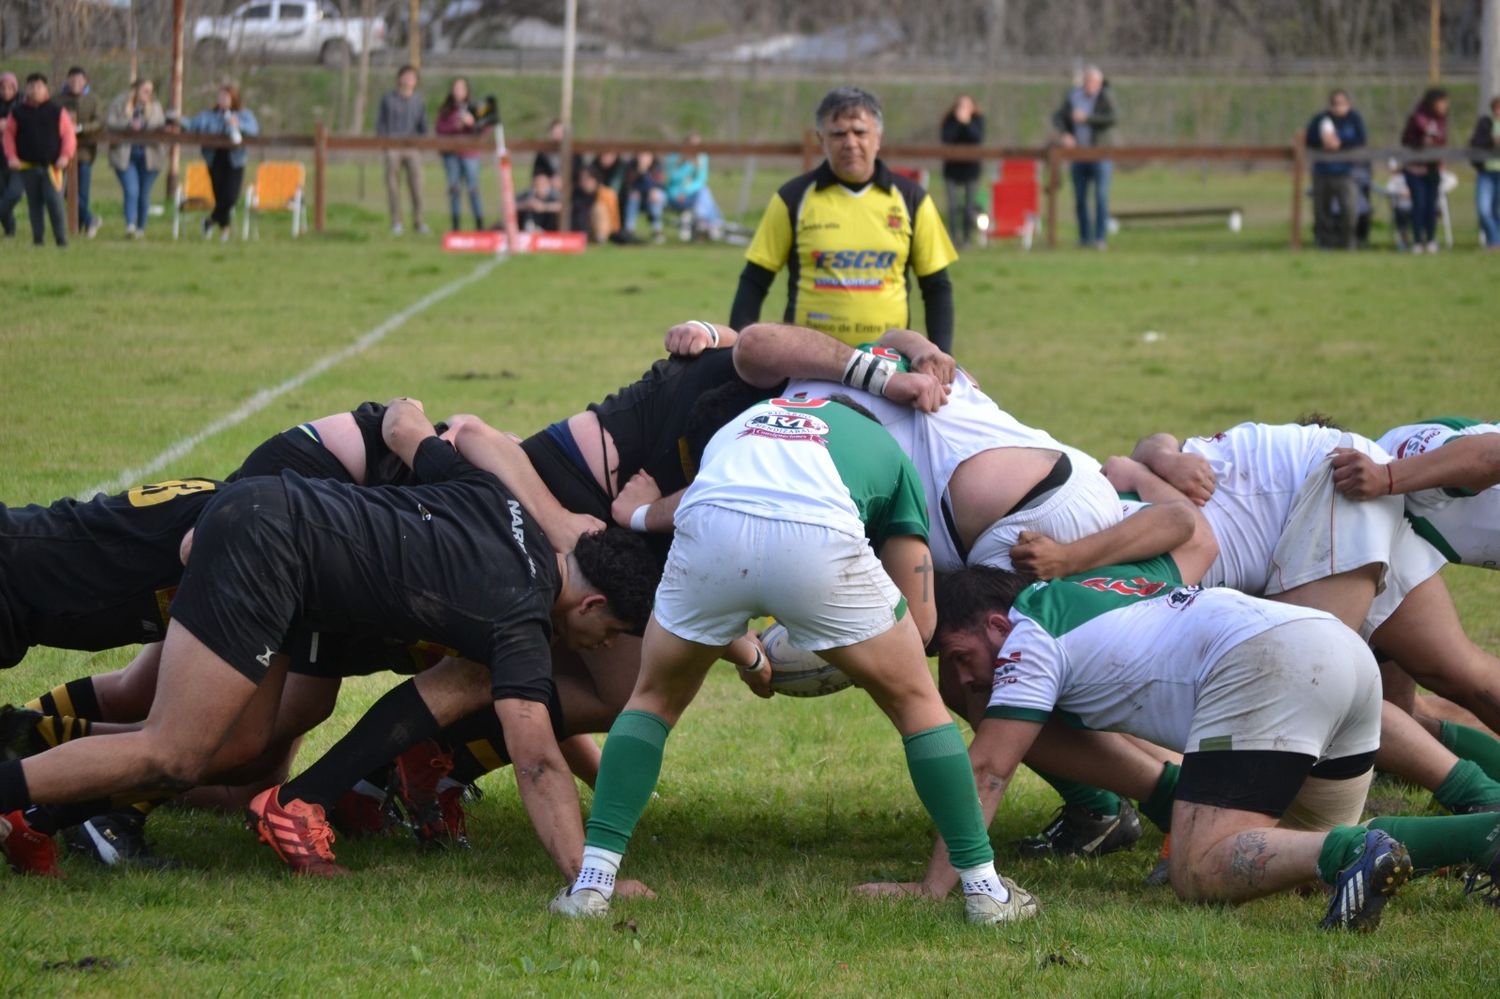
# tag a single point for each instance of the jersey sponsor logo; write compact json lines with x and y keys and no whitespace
{"x":1418,"y":442}
{"x":783,"y":426}
{"x":1137,"y":587}
{"x":853,"y":260}
{"x":848,"y":284}
{"x":800,"y":401}
{"x":1005,"y":668}
{"x":265,"y":657}
{"x":517,"y":531}
{"x":895,"y":220}
{"x":1182,"y":598}
{"x":153,"y":493}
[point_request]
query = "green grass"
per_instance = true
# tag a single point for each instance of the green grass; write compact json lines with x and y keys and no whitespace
{"x":768,"y":812}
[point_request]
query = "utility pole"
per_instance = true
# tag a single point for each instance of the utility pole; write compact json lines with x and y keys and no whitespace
{"x":1489,"y":54}
{"x":565,"y":155}
{"x":174,"y":114}
{"x":1435,"y":44}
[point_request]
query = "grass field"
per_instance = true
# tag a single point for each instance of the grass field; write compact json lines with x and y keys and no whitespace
{"x":768,"y":812}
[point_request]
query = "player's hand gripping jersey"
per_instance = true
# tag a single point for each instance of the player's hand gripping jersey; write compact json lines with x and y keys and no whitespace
{"x":1463,"y":525}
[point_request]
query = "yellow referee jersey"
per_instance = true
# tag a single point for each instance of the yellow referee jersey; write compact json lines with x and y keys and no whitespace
{"x":848,"y":251}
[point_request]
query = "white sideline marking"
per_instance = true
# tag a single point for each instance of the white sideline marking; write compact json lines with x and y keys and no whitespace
{"x":263,"y":398}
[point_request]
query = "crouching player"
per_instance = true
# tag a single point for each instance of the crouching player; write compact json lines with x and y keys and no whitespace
{"x":1275,"y":707}
{"x":792,"y":504}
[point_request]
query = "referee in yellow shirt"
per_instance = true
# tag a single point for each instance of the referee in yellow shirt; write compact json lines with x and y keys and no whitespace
{"x":848,"y":232}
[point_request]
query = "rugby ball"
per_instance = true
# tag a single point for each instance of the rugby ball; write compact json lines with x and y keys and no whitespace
{"x":796,"y":673}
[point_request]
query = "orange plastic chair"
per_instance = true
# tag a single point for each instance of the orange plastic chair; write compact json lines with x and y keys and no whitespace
{"x":278,"y":187}
{"x":196,"y":194}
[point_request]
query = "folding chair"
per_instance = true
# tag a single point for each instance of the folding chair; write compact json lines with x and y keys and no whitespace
{"x":278,"y":187}
{"x":195,"y":194}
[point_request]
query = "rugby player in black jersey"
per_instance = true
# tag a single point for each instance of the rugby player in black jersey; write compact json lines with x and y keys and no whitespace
{"x":453,"y":559}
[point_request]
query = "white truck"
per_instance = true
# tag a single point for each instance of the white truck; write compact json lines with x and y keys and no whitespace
{"x":287,"y":28}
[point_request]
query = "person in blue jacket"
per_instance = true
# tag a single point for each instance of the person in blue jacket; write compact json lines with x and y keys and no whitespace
{"x":1335,"y":190}
{"x":226,"y":165}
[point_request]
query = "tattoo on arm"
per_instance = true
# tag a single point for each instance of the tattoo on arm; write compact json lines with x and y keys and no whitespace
{"x":925,"y":571}
{"x":1249,"y":857}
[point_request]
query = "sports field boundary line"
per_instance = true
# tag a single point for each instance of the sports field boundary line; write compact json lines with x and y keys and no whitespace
{"x":260,"y":400}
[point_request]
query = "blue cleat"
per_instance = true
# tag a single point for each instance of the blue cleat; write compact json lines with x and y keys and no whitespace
{"x":1364,"y":886}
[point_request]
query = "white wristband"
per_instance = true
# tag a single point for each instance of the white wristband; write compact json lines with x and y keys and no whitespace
{"x":754,"y":667}
{"x":638,"y":519}
{"x":868,"y":372}
{"x":710,"y":329}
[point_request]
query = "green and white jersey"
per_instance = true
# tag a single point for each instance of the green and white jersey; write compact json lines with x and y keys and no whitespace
{"x":1124,"y":648}
{"x":812,"y":461}
{"x":1461,"y":524}
{"x":970,"y":422}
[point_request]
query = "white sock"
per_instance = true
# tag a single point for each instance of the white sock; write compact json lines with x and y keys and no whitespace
{"x":369,"y":790}
{"x":984,"y":880}
{"x":598,"y":871}
{"x":446,"y":783}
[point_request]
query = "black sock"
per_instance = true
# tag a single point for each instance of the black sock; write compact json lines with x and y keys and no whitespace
{"x":395,"y":723}
{"x":477,"y":743}
{"x":14,"y":794}
{"x":50,"y":818}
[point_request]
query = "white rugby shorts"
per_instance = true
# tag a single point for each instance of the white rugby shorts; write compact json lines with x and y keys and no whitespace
{"x":725,"y":567}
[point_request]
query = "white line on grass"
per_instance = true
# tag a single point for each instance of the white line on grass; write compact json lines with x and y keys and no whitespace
{"x":266,"y":396}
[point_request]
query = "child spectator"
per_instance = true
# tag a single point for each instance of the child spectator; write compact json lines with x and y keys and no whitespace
{"x":646,"y":188}
{"x":688,"y":192}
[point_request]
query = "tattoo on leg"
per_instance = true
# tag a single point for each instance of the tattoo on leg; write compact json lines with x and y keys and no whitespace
{"x":1249,"y":857}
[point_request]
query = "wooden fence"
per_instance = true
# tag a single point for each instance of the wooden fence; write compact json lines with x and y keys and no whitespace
{"x":1052,"y":158}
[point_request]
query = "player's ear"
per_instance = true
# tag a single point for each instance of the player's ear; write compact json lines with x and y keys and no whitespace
{"x":997,"y":627}
{"x":593,"y":602}
{"x":186,"y":547}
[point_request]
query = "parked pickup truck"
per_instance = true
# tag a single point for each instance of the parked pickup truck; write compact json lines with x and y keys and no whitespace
{"x":287,"y":28}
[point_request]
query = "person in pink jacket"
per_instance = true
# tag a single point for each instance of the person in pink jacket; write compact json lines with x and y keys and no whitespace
{"x":39,"y":142}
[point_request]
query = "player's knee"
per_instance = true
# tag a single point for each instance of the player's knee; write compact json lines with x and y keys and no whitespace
{"x":178,"y":766}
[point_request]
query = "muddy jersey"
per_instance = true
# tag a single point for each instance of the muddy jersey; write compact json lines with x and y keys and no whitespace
{"x":812,"y":461}
{"x":1259,"y":469}
{"x":1124,"y":648}
{"x":1462,"y":524}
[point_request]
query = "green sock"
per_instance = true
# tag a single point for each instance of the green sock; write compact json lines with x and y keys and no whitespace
{"x":1095,"y":799}
{"x":1471,"y":744}
{"x":1466,"y":786}
{"x":1341,"y":847}
{"x":1158,"y":807}
{"x":628,"y":770}
{"x":940,"y":771}
{"x":1441,"y":840}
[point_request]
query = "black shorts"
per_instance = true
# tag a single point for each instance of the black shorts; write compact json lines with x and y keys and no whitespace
{"x":242,"y":587}
{"x":567,"y":480}
{"x":1258,"y":780}
{"x":14,"y":640}
{"x":319,"y":654}
{"x":292,"y":450}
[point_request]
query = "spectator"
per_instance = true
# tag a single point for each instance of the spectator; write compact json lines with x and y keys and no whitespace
{"x":83,"y":107}
{"x":403,"y":115}
{"x":595,"y":208}
{"x":613,"y":171}
{"x":1426,"y":128}
{"x":1400,"y":198}
{"x":1335,"y":185}
{"x":1487,"y":184}
{"x":646,"y":188}
{"x":849,"y":231}
{"x":136,"y":110}
{"x":688,"y":192}
{"x":226,"y":165}
{"x":1083,"y":120}
{"x":10,"y":89}
{"x":541,"y":207}
{"x":459,"y":116}
{"x":548,"y":163}
{"x":39,"y":141}
{"x":963,"y":126}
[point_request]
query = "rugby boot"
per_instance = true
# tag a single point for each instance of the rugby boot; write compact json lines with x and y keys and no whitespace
{"x":585,"y":902}
{"x":1079,"y":832}
{"x":28,"y":850}
{"x":1161,"y":873}
{"x":364,"y":810}
{"x":1362,"y":889}
{"x":297,"y":831}
{"x":19,"y":735}
{"x":431,"y":801}
{"x":116,"y":839}
{"x":983,"y":909}
{"x":1484,"y":880}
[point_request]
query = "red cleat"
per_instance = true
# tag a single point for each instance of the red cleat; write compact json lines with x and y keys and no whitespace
{"x":363,"y":811}
{"x":434,"y":812}
{"x":297,"y":831}
{"x":27,"y":850}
